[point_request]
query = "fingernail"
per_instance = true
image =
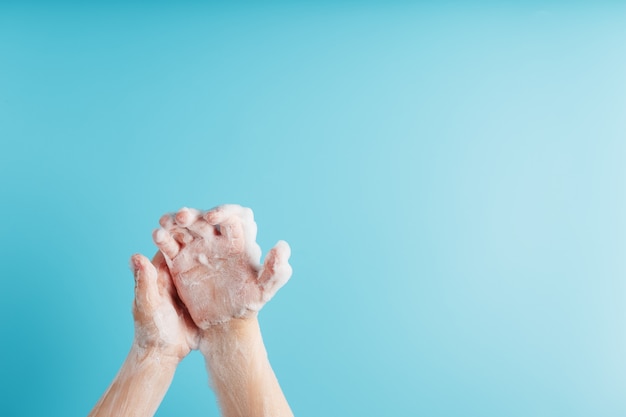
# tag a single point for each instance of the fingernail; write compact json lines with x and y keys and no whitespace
{"x":182,"y":216}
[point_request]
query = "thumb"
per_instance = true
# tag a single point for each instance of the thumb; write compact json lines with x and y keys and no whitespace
{"x":276,"y":270}
{"x":146,"y":287}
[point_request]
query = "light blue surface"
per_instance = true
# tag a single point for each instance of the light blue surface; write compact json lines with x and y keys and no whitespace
{"x":452,"y":181}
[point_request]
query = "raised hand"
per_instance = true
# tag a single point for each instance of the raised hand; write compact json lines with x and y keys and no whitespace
{"x":161,"y":320}
{"x":215,"y":265}
{"x":164,"y":335}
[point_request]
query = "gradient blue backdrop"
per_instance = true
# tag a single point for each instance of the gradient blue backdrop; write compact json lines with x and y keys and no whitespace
{"x":452,"y":180}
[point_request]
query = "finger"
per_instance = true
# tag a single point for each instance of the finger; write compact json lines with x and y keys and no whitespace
{"x":164,"y":277}
{"x":175,"y":224}
{"x":166,"y":243}
{"x":186,"y":216}
{"x":186,"y":220}
{"x":232,"y":231}
{"x":276,"y":269}
{"x":203,"y":229}
{"x":218,"y":214}
{"x":146,"y":286}
{"x":236,"y":225}
{"x":193,"y":220}
{"x":167,"y":221}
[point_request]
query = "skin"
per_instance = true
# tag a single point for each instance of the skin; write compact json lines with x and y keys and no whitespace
{"x":214,"y":262}
{"x":164,"y":335}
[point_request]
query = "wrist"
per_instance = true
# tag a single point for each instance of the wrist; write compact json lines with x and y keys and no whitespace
{"x":239,"y":370}
{"x":235,"y":333}
{"x":141,"y":355}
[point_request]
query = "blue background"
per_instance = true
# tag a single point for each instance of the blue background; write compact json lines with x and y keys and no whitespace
{"x":451,"y":178}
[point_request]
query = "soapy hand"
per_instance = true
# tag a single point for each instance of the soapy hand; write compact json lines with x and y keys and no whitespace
{"x":215,"y":265}
{"x":161,"y":320}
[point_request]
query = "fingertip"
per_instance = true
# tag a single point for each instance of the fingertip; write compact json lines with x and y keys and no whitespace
{"x":138,"y":263}
{"x":247,"y":213}
{"x":166,"y":243}
{"x":146,"y":289}
{"x":214,"y":216}
{"x":135,"y":263}
{"x":284,"y":248}
{"x":183,"y":217}
{"x":277,"y":268}
{"x":166,"y":220}
{"x":159,"y":235}
{"x":279,"y":254}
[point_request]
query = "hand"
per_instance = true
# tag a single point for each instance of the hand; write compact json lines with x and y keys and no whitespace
{"x":215,"y":263}
{"x":161,"y":320}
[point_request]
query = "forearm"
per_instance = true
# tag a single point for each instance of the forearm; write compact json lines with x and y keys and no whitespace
{"x":240,"y":372}
{"x":140,"y":385}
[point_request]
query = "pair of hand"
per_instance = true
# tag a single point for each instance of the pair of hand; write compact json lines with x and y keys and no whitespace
{"x":207,"y":272}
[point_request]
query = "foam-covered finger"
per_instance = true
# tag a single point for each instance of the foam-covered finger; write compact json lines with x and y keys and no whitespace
{"x":249,"y":228}
{"x":219,"y":214}
{"x":170,"y":222}
{"x":186,"y":216}
{"x":146,"y":286}
{"x":166,"y":243}
{"x":203,"y":229}
{"x":164,"y":277}
{"x":233,"y":233}
{"x":229,"y":219}
{"x":276,"y":269}
{"x":167,"y":221}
